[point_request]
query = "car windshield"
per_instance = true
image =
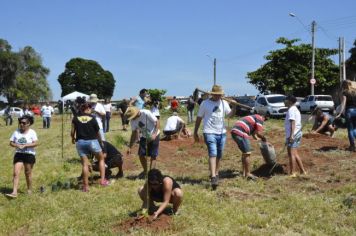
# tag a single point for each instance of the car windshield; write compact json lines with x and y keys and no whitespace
{"x":323,"y":98}
{"x":276,"y":99}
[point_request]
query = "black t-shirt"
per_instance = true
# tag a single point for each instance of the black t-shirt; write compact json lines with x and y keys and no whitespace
{"x":190,"y":104}
{"x":110,"y":150}
{"x":123,"y":106}
{"x":86,"y":127}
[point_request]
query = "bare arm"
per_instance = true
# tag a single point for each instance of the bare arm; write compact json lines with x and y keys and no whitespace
{"x":196,"y":128}
{"x":132,"y":140}
{"x":323,"y":123}
{"x":72,"y":133}
{"x":343,"y":105}
{"x":232,"y":112}
{"x":292,"y":128}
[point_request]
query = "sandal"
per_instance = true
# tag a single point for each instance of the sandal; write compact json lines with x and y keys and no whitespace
{"x":11,"y":195}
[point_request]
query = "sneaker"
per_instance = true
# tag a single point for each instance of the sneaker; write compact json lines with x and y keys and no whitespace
{"x":104,"y":182}
{"x":214,"y":182}
{"x":11,"y":195}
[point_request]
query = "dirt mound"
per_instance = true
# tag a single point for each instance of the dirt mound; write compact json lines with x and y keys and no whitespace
{"x":162,"y":223}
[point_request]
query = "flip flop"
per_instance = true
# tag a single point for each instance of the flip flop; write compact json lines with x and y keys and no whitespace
{"x":11,"y":195}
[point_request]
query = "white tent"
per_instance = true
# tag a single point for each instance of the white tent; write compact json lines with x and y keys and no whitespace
{"x":72,"y":96}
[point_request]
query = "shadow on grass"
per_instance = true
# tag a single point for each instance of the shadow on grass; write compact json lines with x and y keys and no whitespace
{"x":327,"y":148}
{"x":5,"y":190}
{"x":188,"y":180}
{"x":268,"y":171}
{"x":167,"y":211}
{"x":73,"y":161}
{"x":228,"y":174}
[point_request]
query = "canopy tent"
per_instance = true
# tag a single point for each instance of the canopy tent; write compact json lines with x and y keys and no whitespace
{"x":72,"y":96}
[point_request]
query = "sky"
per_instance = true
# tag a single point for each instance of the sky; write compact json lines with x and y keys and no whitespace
{"x":170,"y":44}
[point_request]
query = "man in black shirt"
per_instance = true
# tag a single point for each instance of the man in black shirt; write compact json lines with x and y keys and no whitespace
{"x":113,"y":158}
{"x":122,"y":107}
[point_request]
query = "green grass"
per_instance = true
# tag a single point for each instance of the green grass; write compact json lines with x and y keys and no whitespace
{"x":277,"y":206}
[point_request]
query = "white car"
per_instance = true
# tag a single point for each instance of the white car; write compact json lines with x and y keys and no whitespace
{"x":271,"y":105}
{"x":14,"y":112}
{"x":325,"y":102}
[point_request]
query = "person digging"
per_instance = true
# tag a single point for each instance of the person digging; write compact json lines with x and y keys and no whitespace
{"x":175,"y":126}
{"x":323,"y":123}
{"x":241,"y":132}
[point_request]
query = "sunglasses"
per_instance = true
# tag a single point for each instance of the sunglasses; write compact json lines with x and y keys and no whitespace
{"x":23,"y":123}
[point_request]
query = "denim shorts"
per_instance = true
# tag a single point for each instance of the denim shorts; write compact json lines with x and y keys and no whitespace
{"x":152,"y":148}
{"x":296,"y":142}
{"x":242,"y":143}
{"x":86,"y":147}
{"x":215,"y":144}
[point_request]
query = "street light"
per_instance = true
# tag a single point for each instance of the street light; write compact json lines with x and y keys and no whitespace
{"x":313,"y":25}
{"x":214,"y":67}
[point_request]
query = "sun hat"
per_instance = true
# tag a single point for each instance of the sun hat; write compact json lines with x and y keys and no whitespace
{"x":93,"y":98}
{"x":217,"y":90}
{"x":131,"y":113}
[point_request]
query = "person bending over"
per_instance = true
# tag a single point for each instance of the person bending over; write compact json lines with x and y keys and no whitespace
{"x":161,"y":188}
{"x":174,"y":126}
{"x":323,"y":122}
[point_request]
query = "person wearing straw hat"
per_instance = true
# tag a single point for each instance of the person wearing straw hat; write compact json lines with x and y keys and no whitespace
{"x":99,"y":112}
{"x":144,"y":122}
{"x":213,"y":111}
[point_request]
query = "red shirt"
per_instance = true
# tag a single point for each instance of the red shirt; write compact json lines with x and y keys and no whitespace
{"x":248,"y":125}
{"x":174,"y":104}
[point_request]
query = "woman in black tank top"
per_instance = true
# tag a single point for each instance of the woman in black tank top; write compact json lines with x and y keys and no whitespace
{"x":161,"y":189}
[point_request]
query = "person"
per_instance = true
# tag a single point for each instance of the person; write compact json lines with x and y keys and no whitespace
{"x":155,"y":109}
{"x":112,"y":158}
{"x":174,"y":104}
{"x":98,"y":112}
{"x":108,"y":110}
{"x":140,"y":100}
{"x":348,"y":106}
{"x":122,"y":109}
{"x":24,"y":139}
{"x":161,"y":188}
{"x":27,"y":111}
{"x":241,"y":132}
{"x":212,"y":111}
{"x":85,"y":135}
{"x":174,"y":126}
{"x":145,"y":122}
{"x":293,"y":130}
{"x":190,"y":109}
{"x":46,"y":113}
{"x":323,"y":122}
{"x":8,"y":116}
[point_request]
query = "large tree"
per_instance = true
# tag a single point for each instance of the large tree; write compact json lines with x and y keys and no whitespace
{"x":86,"y":76}
{"x":351,"y":64}
{"x":288,"y":70}
{"x":22,"y":75}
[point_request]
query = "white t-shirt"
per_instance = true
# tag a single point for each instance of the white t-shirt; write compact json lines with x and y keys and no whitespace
{"x":213,"y":114}
{"x":292,"y":114}
{"x":24,"y":138}
{"x":99,"y":108}
{"x":155,"y":111}
{"x":107,"y":107}
{"x":47,"y":111}
{"x":146,"y":123}
{"x":172,"y":123}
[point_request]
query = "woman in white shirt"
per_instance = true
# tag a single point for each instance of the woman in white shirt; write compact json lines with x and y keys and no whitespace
{"x":24,"y":140}
{"x":293,"y":129}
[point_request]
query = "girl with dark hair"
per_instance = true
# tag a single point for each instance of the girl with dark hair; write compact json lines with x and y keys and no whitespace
{"x":161,"y":188}
{"x":24,"y":140}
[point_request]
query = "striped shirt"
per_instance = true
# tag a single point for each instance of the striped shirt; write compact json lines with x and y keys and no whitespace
{"x":248,"y":125}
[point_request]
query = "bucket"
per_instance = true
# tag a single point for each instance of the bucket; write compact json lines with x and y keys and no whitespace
{"x":268,"y":153}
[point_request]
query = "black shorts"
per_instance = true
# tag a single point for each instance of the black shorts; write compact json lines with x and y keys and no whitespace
{"x":25,"y":158}
{"x":152,"y":148}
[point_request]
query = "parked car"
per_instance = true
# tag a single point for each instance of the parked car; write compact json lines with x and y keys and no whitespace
{"x":14,"y":112}
{"x":271,"y":105}
{"x":241,"y":111}
{"x":325,"y":102}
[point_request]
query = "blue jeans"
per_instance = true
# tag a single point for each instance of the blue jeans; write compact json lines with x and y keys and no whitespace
{"x":215,"y":144}
{"x":190,"y":116}
{"x":351,"y":125}
{"x":46,"y":122}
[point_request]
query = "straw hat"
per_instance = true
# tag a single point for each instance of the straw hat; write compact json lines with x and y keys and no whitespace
{"x":93,"y":98}
{"x":131,"y":113}
{"x":217,"y":90}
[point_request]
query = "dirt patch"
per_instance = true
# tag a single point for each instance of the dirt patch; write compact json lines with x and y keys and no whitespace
{"x":162,"y":223}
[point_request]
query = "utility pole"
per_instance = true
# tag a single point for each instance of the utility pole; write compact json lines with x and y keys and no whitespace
{"x":313,"y":56}
{"x":340,"y":61}
{"x":214,"y":71}
{"x":343,"y":60}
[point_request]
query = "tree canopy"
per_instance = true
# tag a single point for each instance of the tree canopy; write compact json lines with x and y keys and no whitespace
{"x":351,"y":64}
{"x":86,"y":76}
{"x":288,"y":70}
{"x":22,"y":75}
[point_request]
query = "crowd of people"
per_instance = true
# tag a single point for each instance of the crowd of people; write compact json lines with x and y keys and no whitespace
{"x":92,"y":121}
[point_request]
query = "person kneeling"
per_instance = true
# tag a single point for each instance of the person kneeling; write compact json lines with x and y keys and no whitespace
{"x":161,"y":188}
{"x":323,"y":122}
{"x":113,"y":159}
{"x":174,"y":127}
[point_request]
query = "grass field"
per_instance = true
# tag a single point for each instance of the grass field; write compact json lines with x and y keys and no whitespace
{"x":273,"y":206}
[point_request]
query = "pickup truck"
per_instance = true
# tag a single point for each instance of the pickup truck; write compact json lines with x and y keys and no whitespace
{"x":325,"y":102}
